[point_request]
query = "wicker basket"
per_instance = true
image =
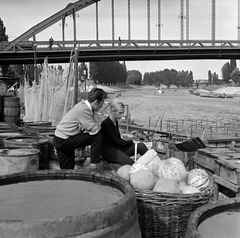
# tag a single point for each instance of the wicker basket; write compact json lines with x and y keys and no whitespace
{"x":164,"y":215}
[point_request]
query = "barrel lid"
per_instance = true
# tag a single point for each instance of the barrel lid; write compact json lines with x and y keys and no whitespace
{"x":11,"y":133}
{"x":45,"y":128}
{"x":7,"y":124}
{"x":38,"y":123}
{"x":12,"y":151}
{"x":26,"y":140}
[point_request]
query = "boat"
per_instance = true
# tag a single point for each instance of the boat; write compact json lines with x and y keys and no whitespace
{"x":215,"y":95}
{"x":160,"y":90}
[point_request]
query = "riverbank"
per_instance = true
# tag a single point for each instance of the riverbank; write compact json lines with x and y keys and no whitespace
{"x":215,"y":89}
{"x":175,"y":106}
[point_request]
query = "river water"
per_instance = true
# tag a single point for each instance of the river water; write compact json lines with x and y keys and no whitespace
{"x":146,"y":106}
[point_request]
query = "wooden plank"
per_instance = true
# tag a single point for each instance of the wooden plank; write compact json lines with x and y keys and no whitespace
{"x":226,"y":184}
{"x":205,"y":161}
{"x":227,"y":172}
{"x":198,"y":166}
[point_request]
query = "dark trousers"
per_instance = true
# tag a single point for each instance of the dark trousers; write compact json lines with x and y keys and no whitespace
{"x":66,"y":148}
{"x":122,"y":156}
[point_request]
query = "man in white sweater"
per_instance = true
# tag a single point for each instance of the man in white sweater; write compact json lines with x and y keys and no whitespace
{"x":78,"y":129}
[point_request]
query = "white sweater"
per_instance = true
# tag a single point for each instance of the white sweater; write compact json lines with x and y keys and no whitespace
{"x":78,"y":120}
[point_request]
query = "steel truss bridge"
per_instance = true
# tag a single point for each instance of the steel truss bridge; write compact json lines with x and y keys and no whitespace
{"x":34,"y":52}
{"x":26,"y":49}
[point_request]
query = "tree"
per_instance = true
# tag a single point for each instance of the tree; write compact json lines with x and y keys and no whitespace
{"x":134,"y":77}
{"x":226,"y":71}
{"x":147,"y":79}
{"x":215,"y":78}
{"x":235,"y":76}
{"x":93,"y":71}
{"x":209,"y":77}
{"x":108,"y":73}
{"x":3,"y":37}
{"x":233,"y":64}
{"x":183,"y":79}
{"x":173,"y":76}
{"x":191,"y":77}
{"x":13,"y":71}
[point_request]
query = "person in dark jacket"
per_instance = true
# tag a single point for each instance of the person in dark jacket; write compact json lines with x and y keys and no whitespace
{"x":114,"y":148}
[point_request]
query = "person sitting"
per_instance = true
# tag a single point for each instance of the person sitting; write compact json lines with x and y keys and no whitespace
{"x":79,"y":129}
{"x":114,"y":148}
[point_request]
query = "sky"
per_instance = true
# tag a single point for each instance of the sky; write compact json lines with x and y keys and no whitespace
{"x":19,"y":16}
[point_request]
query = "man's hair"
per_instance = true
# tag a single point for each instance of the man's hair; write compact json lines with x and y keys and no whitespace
{"x":97,"y":94}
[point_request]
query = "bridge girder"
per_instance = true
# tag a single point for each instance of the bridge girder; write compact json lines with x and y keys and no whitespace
{"x":133,"y":54}
{"x":70,"y":8}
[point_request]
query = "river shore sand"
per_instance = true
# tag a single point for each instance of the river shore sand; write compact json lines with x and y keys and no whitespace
{"x":146,"y":106}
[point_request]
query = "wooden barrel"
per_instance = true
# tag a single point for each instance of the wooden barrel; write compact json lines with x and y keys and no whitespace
{"x":4,"y":135}
{"x":38,"y":123}
{"x":34,"y":130}
{"x":69,"y":204}
{"x":1,"y":108}
{"x":8,"y":127}
{"x":11,"y":109}
{"x":3,"y":88}
{"x":219,"y":219}
{"x":15,"y":160}
{"x":31,"y":141}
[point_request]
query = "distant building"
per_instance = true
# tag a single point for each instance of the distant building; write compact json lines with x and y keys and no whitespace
{"x":200,"y":83}
{"x":204,"y":82}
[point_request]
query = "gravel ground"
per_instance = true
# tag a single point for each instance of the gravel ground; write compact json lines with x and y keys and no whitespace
{"x":146,"y":106}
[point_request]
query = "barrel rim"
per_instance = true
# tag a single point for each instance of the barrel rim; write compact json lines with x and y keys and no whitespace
{"x":203,"y":212}
{"x":37,"y":151}
{"x":50,"y":127}
{"x":35,"y":123}
{"x":41,"y":140}
{"x":85,"y":223}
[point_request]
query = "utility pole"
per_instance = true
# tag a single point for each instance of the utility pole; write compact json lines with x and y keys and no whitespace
{"x":238,"y":27}
{"x":181,"y":19}
{"x":213,"y":20}
{"x":187,"y":19}
{"x":148,"y":19}
{"x":75,"y":95}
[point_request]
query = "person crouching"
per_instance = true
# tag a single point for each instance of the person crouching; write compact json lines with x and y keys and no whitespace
{"x":78,"y":129}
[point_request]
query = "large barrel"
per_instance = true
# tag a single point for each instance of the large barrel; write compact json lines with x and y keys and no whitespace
{"x":3,"y":88}
{"x":34,"y":130}
{"x":8,"y":127}
{"x":216,"y":220}
{"x":11,"y":134}
{"x":38,"y":123}
{"x":11,"y":109}
{"x":62,"y":204}
{"x":1,"y":108}
{"x":30,"y":141}
{"x":15,"y":160}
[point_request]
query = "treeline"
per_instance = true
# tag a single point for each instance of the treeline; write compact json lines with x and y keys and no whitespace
{"x":108,"y":73}
{"x":230,"y":72}
{"x":169,"y":77}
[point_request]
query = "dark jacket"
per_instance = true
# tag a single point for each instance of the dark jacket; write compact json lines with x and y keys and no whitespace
{"x":111,"y":136}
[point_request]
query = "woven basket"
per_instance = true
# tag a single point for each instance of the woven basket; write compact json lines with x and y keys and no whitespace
{"x":108,"y":168}
{"x":164,"y":215}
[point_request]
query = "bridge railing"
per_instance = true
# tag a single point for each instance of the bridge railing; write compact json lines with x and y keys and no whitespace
{"x":121,"y":44}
